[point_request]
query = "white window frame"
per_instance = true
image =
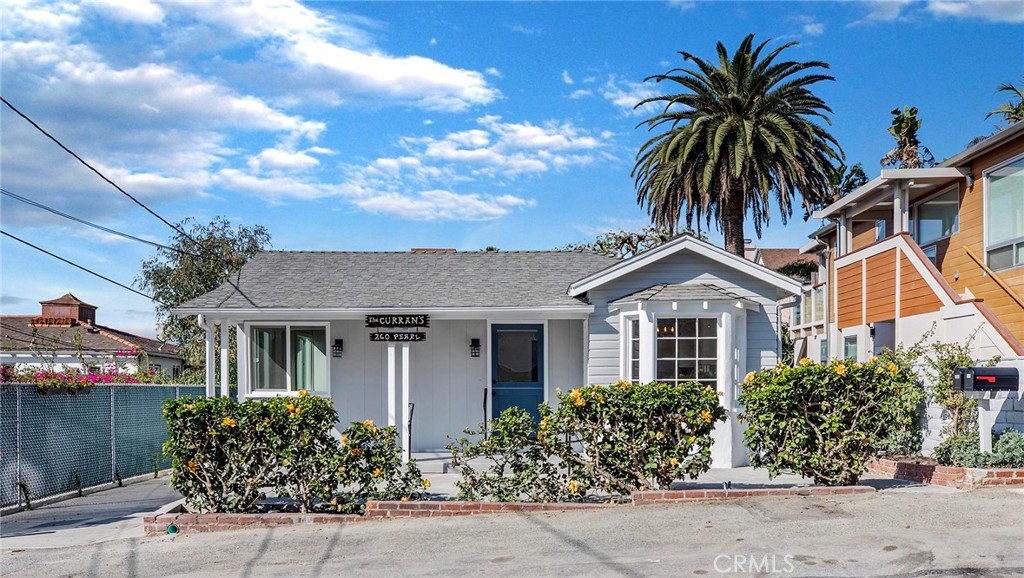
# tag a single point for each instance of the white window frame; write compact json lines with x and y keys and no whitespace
{"x":916,"y":207}
{"x":627,"y":370}
{"x":287,"y":325}
{"x":986,"y":212}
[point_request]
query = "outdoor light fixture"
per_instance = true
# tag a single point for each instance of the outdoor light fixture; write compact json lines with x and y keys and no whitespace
{"x":474,"y":347}
{"x":338,"y":348}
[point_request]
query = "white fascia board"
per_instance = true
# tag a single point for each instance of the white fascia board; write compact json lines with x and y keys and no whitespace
{"x":813,"y":247}
{"x":736,"y":262}
{"x":552,"y":312}
{"x":865,"y":191}
{"x":913,"y":174}
{"x":853,"y":198}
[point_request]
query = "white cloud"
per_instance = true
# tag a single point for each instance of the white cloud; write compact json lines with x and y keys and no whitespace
{"x":493,"y":72}
{"x":433,"y":205}
{"x":683,"y":5}
{"x":433,"y":42}
{"x":607,"y":224}
{"x":525,"y":30}
{"x":883,"y":11}
{"x":138,"y":11}
{"x":280,"y":159}
{"x":626,"y":94}
{"x":566,"y":78}
{"x":990,"y":10}
{"x":341,"y":58}
{"x":580,"y":93}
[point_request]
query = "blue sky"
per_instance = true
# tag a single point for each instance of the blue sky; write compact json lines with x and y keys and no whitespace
{"x":386,"y":125}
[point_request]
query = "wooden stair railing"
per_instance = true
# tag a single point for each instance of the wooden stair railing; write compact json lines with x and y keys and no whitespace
{"x":999,"y":281}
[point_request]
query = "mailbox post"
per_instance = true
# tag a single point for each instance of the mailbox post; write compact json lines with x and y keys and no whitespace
{"x":991,"y":387}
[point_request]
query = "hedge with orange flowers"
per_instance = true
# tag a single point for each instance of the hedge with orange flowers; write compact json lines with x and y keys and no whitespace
{"x":824,"y":421}
{"x":609,"y":439}
{"x":227,"y":456}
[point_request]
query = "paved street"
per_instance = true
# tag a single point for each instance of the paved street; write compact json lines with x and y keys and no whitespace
{"x":889,"y":533}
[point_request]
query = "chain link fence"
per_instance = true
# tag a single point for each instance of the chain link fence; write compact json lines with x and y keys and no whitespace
{"x":55,"y":444}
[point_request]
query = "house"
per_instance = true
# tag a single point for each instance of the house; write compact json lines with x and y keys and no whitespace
{"x":920,"y":249}
{"x":779,"y":259}
{"x":65,"y":335}
{"x":437,"y":341}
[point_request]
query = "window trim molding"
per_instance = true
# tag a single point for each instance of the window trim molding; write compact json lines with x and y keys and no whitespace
{"x":988,"y":245}
{"x":287,"y":325}
{"x":719,"y":329}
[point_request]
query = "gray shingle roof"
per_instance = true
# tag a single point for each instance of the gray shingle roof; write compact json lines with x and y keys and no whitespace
{"x":327,"y":280}
{"x":681,"y":292}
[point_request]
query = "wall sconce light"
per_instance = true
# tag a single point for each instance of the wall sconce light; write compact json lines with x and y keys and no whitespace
{"x":338,"y":348}
{"x":871,"y":330}
{"x":474,"y":347}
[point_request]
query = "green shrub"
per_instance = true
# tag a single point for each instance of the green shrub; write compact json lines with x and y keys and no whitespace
{"x":227,"y":455}
{"x":963,"y":450}
{"x":824,"y":421}
{"x":612,"y":440}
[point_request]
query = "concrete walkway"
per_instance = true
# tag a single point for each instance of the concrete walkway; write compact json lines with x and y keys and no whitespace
{"x":97,"y":517}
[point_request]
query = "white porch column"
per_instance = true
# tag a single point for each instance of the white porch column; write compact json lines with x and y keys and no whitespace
{"x":225,"y":363}
{"x":391,"y":384}
{"x":723,"y":452}
{"x":648,"y":346}
{"x":211,"y":357}
{"x":406,"y":445}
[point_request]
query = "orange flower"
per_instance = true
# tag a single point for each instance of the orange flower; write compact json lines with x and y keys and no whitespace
{"x":806,"y":361}
{"x":369,"y":424}
{"x":192,"y":466}
{"x":229,"y":422}
{"x":303,"y":393}
{"x":377,"y":472}
{"x":291,"y":408}
{"x":344,"y":440}
{"x":426,"y":483}
{"x":357,"y":452}
{"x":659,"y":436}
{"x":893,"y":368}
{"x":749,"y":377}
{"x":673,"y":462}
{"x":841,"y":370}
{"x":573,"y":487}
{"x":705,"y":415}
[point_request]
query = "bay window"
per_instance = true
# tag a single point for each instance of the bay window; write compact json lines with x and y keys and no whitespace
{"x":286,"y":358}
{"x":1004,"y":215}
{"x":687,"y":350}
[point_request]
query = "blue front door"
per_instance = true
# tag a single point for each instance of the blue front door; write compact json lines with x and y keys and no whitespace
{"x":517,"y":368}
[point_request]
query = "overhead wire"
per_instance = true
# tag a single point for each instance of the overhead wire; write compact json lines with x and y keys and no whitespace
{"x":83,"y":268}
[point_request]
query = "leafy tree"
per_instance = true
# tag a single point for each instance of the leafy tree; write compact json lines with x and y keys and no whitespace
{"x":622,"y":243}
{"x":742,"y":133}
{"x":195,"y":264}
{"x":1011,"y":111}
{"x":908,"y":153}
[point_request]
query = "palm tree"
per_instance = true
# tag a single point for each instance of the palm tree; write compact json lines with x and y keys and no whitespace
{"x":742,"y":133}
{"x":1011,"y":112}
{"x":909,"y":153}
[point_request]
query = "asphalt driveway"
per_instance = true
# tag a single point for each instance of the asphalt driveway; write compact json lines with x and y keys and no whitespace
{"x":890,"y":533}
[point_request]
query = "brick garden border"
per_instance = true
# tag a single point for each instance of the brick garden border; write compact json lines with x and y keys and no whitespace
{"x":948,"y":476}
{"x":383,"y":510}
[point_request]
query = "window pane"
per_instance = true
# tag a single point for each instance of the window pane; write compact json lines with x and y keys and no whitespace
{"x":666,"y":349}
{"x":708,"y":349}
{"x":634,"y":371}
{"x":634,"y":329}
{"x":687,"y":328}
{"x":823,"y":353}
{"x":707,"y":370}
{"x":666,"y":327}
{"x":850,"y":347}
{"x":1001,"y":258}
{"x":1006,"y":203}
{"x":666,"y":370}
{"x":268,"y":358}
{"x":309,"y":358}
{"x":517,"y":356}
{"x":687,"y":370}
{"x":708,"y":327}
{"x":687,"y":348}
{"x":938,"y":217}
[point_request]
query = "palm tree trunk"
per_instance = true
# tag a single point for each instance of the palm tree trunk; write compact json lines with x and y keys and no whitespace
{"x":733,"y":214}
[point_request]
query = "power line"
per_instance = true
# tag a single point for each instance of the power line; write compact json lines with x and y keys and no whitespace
{"x":113,"y":184}
{"x":89,"y":271}
{"x":39,"y":205}
{"x":53,"y":340}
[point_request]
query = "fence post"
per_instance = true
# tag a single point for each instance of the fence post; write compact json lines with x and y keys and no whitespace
{"x":17,"y":441}
{"x":113,"y":439}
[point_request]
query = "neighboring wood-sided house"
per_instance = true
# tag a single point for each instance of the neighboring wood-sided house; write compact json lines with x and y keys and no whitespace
{"x":435,"y":341}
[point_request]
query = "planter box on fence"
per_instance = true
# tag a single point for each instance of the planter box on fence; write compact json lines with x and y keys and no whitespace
{"x":949,"y":476}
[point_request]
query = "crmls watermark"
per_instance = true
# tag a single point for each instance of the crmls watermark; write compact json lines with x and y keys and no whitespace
{"x":748,"y":564}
